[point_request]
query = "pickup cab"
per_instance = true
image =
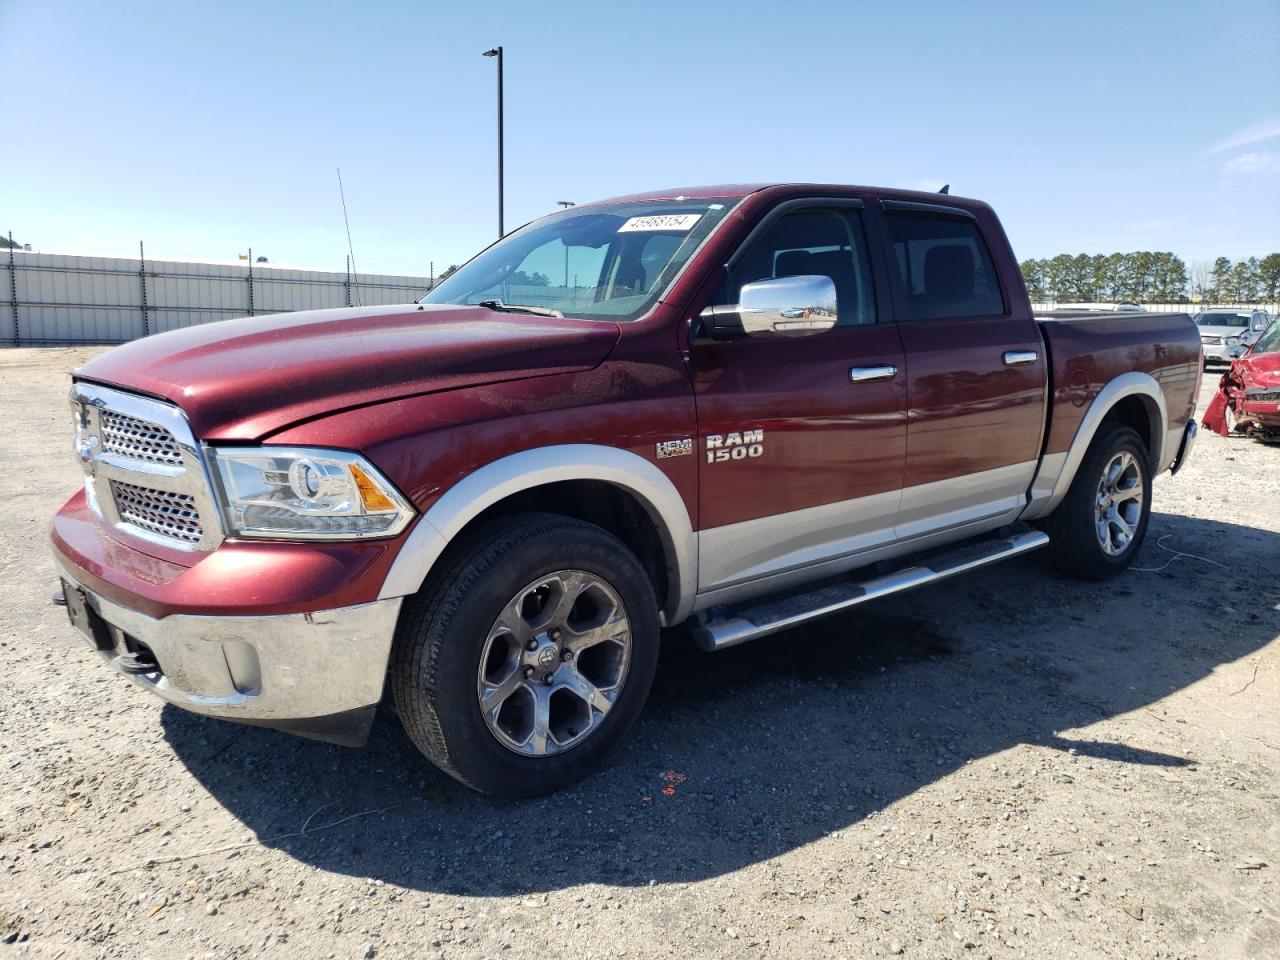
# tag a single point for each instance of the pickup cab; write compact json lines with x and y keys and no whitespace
{"x":736,"y":408}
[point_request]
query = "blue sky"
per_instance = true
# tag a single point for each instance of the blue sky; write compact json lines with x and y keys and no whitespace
{"x":206,"y":128}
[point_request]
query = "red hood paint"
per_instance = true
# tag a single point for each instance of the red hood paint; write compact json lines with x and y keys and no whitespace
{"x":243,"y":379}
{"x":1250,"y":371}
{"x":1260,"y":369}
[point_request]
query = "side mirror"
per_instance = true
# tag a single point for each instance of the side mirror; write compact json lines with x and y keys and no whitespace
{"x":784,"y":306}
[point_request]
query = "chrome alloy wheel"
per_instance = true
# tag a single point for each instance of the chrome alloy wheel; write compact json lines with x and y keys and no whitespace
{"x":554,"y":663}
{"x":1118,"y":506}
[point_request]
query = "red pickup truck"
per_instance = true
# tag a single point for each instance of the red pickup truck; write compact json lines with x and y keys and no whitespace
{"x":739,"y":407}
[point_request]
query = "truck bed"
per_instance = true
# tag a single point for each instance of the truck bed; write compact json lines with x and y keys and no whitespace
{"x":1087,"y":351}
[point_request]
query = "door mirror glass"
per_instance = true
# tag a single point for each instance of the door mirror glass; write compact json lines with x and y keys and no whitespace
{"x":792,"y":306}
{"x":785,"y":306}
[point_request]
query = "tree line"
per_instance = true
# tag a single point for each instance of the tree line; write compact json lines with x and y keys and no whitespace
{"x":1152,"y":277}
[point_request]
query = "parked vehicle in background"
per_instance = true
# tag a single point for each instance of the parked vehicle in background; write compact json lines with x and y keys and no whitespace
{"x":1248,"y":398}
{"x":752,"y":407}
{"x":1227,"y":334}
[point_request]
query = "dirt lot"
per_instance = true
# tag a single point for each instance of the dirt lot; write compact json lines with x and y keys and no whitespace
{"x":1008,"y":764}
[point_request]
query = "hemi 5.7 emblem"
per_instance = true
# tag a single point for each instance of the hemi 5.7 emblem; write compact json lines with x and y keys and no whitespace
{"x":738,"y":445}
{"x":675,"y":448}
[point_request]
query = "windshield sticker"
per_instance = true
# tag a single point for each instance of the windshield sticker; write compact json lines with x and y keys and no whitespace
{"x":681,"y":222}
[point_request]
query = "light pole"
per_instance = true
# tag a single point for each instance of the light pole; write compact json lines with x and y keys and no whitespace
{"x":497,"y":52}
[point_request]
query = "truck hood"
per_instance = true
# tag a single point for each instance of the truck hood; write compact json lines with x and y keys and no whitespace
{"x":243,"y":379}
{"x":1259,"y":369}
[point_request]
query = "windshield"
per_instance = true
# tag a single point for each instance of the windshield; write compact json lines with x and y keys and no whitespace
{"x":600,"y":263}
{"x":1269,"y":342}
{"x":1222,"y":320}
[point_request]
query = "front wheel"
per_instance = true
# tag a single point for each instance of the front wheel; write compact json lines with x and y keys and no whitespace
{"x":1098,"y":527}
{"x":525,"y":659}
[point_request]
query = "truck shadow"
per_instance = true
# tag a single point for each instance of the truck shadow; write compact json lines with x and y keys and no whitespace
{"x":744,"y":755}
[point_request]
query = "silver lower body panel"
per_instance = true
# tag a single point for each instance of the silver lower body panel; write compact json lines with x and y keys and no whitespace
{"x":754,"y":557}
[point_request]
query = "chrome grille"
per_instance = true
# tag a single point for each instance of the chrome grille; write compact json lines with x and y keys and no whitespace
{"x":160,"y":512}
{"x":136,"y":439}
{"x":1262,"y":396}
{"x":1211,"y":341}
{"x":144,"y":470}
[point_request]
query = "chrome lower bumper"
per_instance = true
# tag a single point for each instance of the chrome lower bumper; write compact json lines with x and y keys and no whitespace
{"x":1188,"y":444}
{"x":317,"y":674}
{"x":1222,"y":354}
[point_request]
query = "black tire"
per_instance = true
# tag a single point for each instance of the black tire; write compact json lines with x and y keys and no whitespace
{"x":445,"y":629}
{"x":1075,"y":545}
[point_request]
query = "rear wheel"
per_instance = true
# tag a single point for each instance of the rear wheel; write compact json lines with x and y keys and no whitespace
{"x":526,"y":658}
{"x":1100,"y":524}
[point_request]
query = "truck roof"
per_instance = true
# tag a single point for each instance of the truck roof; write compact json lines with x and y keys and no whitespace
{"x":743,"y":189}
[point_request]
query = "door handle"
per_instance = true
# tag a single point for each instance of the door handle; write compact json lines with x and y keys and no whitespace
{"x":1013,"y":358}
{"x":868,"y":374}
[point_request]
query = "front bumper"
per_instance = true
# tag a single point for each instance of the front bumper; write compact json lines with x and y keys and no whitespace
{"x":317,"y":674}
{"x":1221,"y":353}
{"x":1261,"y":404}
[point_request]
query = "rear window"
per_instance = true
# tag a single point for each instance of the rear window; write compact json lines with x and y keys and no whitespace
{"x":945,"y":267}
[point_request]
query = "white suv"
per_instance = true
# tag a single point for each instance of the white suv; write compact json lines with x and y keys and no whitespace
{"x":1227,"y":334}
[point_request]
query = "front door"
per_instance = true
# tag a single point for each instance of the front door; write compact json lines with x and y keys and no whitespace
{"x":802,"y":439}
{"x":976,"y":389}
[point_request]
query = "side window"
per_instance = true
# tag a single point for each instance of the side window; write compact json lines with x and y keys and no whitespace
{"x":822,"y":242}
{"x":944,"y":266}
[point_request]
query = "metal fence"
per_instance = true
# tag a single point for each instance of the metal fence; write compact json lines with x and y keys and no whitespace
{"x":1191,"y":308}
{"x":49,"y":298}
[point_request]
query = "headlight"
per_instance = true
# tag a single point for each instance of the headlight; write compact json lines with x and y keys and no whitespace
{"x":1232,"y":341}
{"x":298,"y":493}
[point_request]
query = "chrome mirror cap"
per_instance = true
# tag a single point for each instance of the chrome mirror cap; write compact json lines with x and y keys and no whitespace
{"x":790,"y":306}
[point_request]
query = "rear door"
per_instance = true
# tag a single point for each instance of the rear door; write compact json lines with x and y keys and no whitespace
{"x":977,"y":370}
{"x":802,"y":438}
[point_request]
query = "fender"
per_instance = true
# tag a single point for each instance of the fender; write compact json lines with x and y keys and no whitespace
{"x":1057,"y":470}
{"x":496,"y":481}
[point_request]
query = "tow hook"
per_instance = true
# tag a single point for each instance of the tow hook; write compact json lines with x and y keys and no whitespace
{"x":136,"y":664}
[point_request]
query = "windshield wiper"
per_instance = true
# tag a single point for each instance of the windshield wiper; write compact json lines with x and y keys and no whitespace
{"x":519,"y":308}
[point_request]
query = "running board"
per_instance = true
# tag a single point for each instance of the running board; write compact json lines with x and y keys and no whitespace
{"x":770,"y":617}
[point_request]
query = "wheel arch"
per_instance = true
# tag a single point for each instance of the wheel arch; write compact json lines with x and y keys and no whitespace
{"x":1135,"y":399}
{"x":613,"y":488}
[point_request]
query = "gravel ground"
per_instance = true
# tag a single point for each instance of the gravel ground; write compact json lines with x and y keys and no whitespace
{"x":1007,"y":764}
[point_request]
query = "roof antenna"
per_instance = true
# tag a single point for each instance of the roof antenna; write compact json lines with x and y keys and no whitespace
{"x":946,"y":188}
{"x":355,"y":287}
